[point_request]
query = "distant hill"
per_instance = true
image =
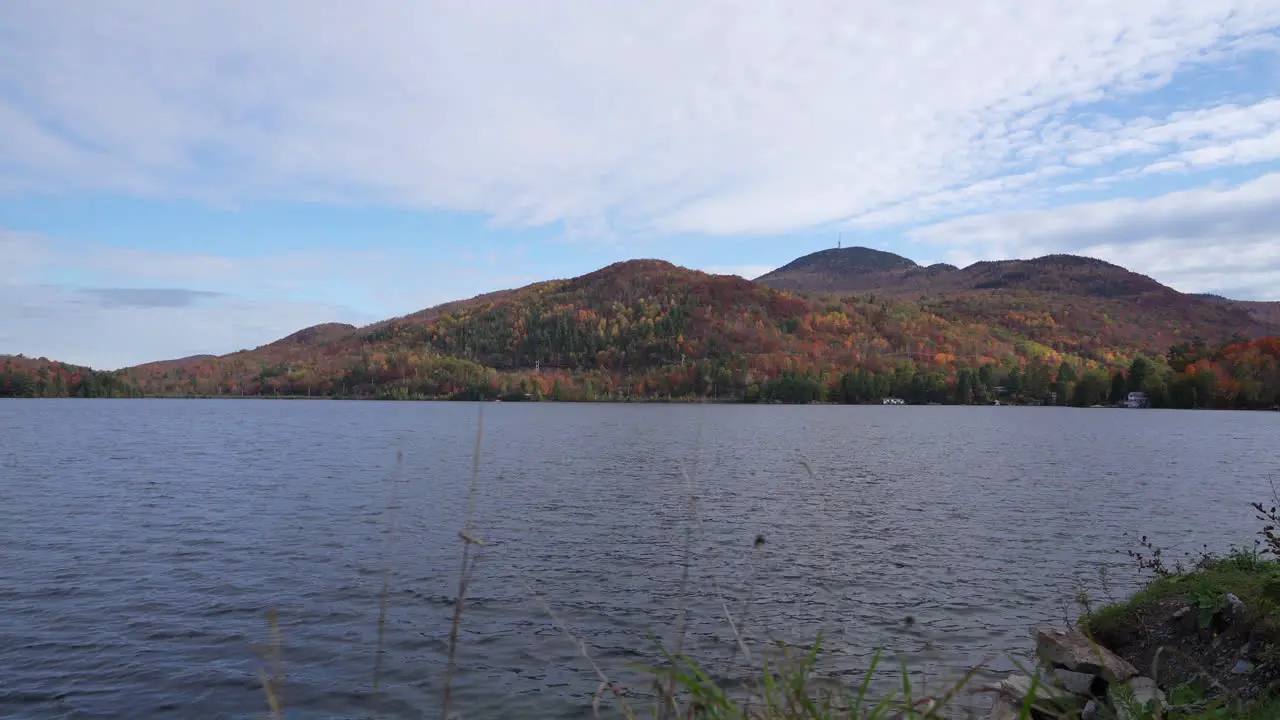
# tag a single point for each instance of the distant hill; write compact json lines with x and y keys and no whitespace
{"x":314,"y":336}
{"x":1264,"y":312}
{"x":643,"y":328}
{"x":839,"y":270}
{"x":1261,"y":311}
{"x":319,"y":334}
{"x":860,"y":269}
{"x":1062,"y":274}
{"x":648,"y":328}
{"x":853,"y":323}
{"x":1073,"y":296}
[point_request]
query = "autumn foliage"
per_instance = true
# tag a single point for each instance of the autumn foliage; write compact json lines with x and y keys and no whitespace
{"x":27,"y":377}
{"x":648,"y":330}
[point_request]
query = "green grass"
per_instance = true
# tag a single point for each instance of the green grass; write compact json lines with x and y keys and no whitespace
{"x":1265,"y":709}
{"x":1250,"y":577}
{"x":1202,"y":592}
{"x":785,"y":692}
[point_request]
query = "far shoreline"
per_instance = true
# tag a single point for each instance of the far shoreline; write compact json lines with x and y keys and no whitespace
{"x":631,"y":401}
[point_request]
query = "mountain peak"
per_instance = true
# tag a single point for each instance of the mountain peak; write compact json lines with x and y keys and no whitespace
{"x":644,"y":266}
{"x":835,"y":269}
{"x":318,"y":334}
{"x":849,"y":260}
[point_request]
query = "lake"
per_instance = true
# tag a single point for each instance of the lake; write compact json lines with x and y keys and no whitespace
{"x":142,"y":542}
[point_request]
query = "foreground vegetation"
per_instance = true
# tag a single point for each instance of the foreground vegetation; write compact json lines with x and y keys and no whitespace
{"x":1209,"y":633}
{"x":1200,"y":661}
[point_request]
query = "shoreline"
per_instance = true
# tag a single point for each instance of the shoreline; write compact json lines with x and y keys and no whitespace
{"x":1198,"y":644}
{"x":631,"y":401}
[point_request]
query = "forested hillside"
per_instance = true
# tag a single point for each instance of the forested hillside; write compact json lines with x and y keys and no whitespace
{"x":38,"y":377}
{"x":1055,"y":330}
{"x":1067,"y":301}
{"x":651,"y":330}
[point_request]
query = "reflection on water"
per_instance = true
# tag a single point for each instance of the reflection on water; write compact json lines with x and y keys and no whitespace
{"x":143,"y":541}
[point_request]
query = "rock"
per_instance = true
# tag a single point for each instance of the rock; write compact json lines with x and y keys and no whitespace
{"x":1243,"y":667}
{"x":1016,"y":688}
{"x":1073,"y":651}
{"x":1092,"y":710}
{"x":1131,"y":700}
{"x":1237,"y":605}
{"x":1003,"y":709}
{"x":1073,"y":682}
{"x":921,"y":709}
{"x":1182,"y":612}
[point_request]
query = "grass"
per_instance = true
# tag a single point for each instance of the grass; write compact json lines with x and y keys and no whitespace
{"x":1189,"y":629}
{"x":1248,"y":576}
{"x":468,"y":567}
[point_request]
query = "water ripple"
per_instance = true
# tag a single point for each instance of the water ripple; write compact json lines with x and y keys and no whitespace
{"x":143,"y":542}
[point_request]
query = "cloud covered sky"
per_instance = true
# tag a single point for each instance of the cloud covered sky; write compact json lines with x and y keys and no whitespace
{"x":180,"y":178}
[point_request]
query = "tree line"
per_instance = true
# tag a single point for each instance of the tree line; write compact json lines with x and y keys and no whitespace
{"x":48,"y":379}
{"x":1192,"y":374}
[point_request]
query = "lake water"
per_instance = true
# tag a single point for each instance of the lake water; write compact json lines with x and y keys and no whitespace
{"x":142,"y":542}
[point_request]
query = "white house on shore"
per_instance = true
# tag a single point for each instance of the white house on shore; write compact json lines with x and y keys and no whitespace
{"x":1136,"y":400}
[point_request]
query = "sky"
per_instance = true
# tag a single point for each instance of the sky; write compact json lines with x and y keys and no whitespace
{"x":201,"y":177}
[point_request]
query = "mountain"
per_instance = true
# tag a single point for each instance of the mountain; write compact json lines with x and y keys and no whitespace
{"x":1264,"y":312}
{"x":647,"y":329}
{"x":651,"y":329}
{"x":860,"y":269}
{"x":1072,"y":297}
{"x":1060,"y":274}
{"x":643,"y":328}
{"x":320,"y":334}
{"x":1261,"y":311}
{"x":837,"y":270}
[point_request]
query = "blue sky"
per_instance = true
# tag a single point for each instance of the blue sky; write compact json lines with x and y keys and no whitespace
{"x":201,"y":177}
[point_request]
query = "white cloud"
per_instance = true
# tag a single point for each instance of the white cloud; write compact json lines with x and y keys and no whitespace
{"x":110,"y":307}
{"x":135,"y":313}
{"x":1178,"y":238}
{"x":66,"y":325}
{"x":20,"y":255}
{"x":1185,"y":141}
{"x":667,"y":115}
{"x":1226,"y":135}
{"x":1242,"y":151}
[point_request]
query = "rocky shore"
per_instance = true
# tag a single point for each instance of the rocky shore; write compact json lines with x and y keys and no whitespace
{"x":1195,"y":645}
{"x":1078,"y":678}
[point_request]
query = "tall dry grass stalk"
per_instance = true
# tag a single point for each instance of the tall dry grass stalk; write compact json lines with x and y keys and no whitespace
{"x":273,"y":681}
{"x":468,"y":567}
{"x":715,"y":582}
{"x":605,"y":682}
{"x":385,"y":596}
